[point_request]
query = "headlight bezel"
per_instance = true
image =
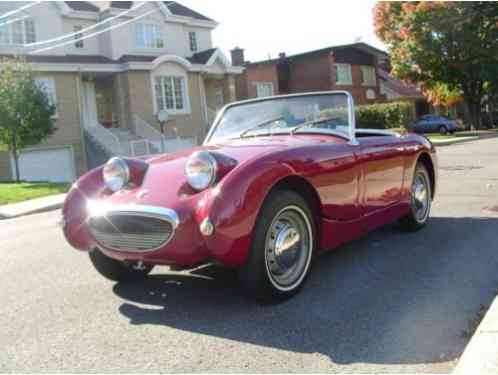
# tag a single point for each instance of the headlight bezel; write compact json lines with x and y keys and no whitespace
{"x":209,"y":160}
{"x":120,"y":163}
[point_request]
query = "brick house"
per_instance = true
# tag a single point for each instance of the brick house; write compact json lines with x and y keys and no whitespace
{"x":351,"y":67}
{"x":109,"y":87}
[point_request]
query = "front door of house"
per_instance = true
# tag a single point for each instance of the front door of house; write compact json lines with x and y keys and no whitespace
{"x":220,"y":98}
{"x":90,"y":117}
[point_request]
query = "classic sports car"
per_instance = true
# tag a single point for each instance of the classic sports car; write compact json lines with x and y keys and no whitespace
{"x":277,"y":181}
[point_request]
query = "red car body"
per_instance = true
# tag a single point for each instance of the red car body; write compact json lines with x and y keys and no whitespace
{"x":353,"y":189}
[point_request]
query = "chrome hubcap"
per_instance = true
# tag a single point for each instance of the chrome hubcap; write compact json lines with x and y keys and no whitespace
{"x":420,"y":197}
{"x":288,"y":248}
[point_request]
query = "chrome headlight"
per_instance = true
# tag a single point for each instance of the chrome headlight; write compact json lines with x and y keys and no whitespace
{"x":201,"y":170}
{"x":116,"y":174}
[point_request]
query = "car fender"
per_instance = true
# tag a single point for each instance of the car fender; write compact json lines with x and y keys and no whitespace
{"x":235,"y":205}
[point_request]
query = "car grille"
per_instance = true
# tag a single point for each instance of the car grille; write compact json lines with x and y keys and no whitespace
{"x":131,"y":233}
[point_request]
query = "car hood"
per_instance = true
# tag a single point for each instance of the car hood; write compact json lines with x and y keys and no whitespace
{"x":165,"y":181}
{"x":245,"y":149}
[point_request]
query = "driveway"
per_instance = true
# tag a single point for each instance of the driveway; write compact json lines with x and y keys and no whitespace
{"x":389,"y":302}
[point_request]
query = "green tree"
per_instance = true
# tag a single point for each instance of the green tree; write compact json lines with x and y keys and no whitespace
{"x":26,"y":113}
{"x":450,"y":45}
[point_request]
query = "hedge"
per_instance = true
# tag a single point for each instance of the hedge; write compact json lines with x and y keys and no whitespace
{"x":384,"y":116}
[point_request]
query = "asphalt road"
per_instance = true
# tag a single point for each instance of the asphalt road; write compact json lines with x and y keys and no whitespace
{"x":389,"y":302}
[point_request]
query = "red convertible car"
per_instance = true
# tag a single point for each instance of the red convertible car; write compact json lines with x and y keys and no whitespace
{"x":277,"y":181}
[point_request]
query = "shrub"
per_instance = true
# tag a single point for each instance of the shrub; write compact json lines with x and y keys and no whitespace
{"x":384,"y":116}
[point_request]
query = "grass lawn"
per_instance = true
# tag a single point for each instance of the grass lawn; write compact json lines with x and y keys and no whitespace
{"x":13,"y":193}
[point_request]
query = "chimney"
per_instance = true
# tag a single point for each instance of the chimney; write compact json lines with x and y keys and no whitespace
{"x":282,"y":55}
{"x":237,"y":56}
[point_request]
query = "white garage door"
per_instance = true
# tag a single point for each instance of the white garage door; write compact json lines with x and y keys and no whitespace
{"x":54,"y":165}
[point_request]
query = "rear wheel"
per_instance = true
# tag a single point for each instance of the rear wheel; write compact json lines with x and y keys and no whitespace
{"x":116,"y":270}
{"x":282,"y":248}
{"x":421,"y":199}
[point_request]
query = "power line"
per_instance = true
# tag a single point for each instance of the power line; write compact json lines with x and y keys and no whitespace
{"x":82,"y":31}
{"x":8,"y":14}
{"x":93,"y":34}
{"x":13,"y":20}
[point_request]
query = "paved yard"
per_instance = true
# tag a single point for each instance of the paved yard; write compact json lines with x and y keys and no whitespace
{"x":390,"y":302}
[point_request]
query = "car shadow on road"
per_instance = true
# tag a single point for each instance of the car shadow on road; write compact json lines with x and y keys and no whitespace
{"x":389,"y":297}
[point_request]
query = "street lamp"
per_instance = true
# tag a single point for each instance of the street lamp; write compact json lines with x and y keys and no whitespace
{"x":162,"y":117}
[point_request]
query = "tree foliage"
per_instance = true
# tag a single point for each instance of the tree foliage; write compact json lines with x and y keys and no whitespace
{"x":26,"y":114}
{"x":447,"y":47}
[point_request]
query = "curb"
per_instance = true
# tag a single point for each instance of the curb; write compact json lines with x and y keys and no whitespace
{"x":52,"y":207}
{"x":453,"y":141}
{"x":481,"y":354}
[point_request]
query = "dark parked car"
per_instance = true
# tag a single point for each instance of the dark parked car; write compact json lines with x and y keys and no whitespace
{"x":433,"y":124}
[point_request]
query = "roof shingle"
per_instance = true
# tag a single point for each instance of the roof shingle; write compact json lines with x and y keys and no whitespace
{"x":83,"y":6}
{"x":405,"y":90}
{"x":174,"y":7}
{"x":202,"y":57}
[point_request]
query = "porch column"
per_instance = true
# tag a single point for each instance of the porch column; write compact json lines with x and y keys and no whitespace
{"x":229,"y":91}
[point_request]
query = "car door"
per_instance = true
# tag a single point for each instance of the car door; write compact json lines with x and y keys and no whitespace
{"x":382,"y":161}
{"x":420,"y":125}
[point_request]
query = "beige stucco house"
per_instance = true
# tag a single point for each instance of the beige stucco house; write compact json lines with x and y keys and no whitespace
{"x":109,"y":67}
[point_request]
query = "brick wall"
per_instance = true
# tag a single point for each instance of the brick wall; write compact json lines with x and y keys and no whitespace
{"x":246,"y":83}
{"x":310,"y":73}
{"x":356,"y":59}
{"x":139,"y":100}
{"x":68,"y":121}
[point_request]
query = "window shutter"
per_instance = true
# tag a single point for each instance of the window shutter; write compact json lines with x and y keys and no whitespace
{"x":17,"y":32}
{"x":139,"y":35}
{"x":29,"y":28}
{"x":47,"y":84}
{"x":158,"y":38}
{"x":159,"y":94}
{"x":179,"y":90}
{"x":4,"y":34}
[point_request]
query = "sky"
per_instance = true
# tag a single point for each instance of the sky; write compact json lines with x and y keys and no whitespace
{"x":267,"y":27}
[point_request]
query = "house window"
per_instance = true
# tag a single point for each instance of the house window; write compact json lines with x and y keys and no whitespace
{"x":368,"y":74}
{"x":264,"y":89}
{"x":19,"y":32}
{"x":148,"y":36}
{"x":170,"y":93}
{"x":193,"y":41}
{"x":78,"y":43}
{"x":47,"y":84}
{"x":343,"y":74}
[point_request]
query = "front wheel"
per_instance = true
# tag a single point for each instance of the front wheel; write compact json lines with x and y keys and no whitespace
{"x":116,"y":270}
{"x":282,"y":248}
{"x":421,"y":199}
{"x":443,"y":130}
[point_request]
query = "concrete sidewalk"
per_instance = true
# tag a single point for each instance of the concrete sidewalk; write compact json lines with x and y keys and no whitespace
{"x":32,"y":206}
{"x":481,"y":354}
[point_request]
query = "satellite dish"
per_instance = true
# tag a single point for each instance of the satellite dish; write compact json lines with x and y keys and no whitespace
{"x":162,"y":116}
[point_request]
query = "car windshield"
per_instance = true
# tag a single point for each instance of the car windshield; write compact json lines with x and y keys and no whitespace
{"x":291,"y":114}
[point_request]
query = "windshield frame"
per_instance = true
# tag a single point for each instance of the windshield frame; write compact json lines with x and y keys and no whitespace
{"x":350,"y":135}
